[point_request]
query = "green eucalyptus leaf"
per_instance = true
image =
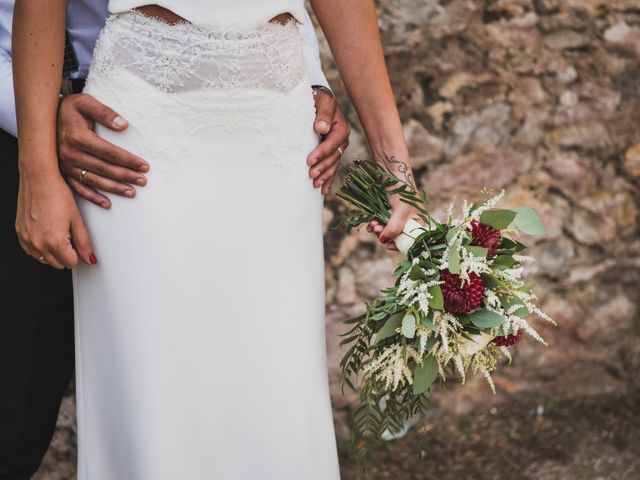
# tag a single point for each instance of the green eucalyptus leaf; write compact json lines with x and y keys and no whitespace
{"x":454,"y":258}
{"x":519,"y":246}
{"x":428,"y":322}
{"x":425,"y":374}
{"x":389,"y":327}
{"x":502,"y":262}
{"x":509,"y":301}
{"x":428,"y":265}
{"x":522,"y":312}
{"x":527,"y":288}
{"x":483,"y":318}
{"x":416,"y":273}
{"x":437,"y":300}
{"x":401,"y":268}
{"x":497,"y":218}
{"x":528,"y":221}
{"x":450,"y":234}
{"x":490,"y":280}
{"x":480,"y":252}
{"x":507,"y":243}
{"x":379,"y":316}
{"x":409,"y":325}
{"x":431,"y":341}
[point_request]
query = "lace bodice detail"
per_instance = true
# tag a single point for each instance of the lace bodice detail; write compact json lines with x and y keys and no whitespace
{"x":221,"y":14}
{"x":193,"y":57}
{"x":197,"y":78}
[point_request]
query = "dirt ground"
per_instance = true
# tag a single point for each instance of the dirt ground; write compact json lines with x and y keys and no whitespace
{"x":583,"y":438}
{"x":594,"y":438}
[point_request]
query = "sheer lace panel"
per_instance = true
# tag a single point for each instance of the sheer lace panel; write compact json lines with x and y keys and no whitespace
{"x":183,"y":57}
{"x":174,"y":81}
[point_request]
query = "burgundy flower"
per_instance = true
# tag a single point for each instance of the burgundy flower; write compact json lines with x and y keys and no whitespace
{"x":508,"y":340}
{"x":485,"y":236}
{"x":459,"y":298}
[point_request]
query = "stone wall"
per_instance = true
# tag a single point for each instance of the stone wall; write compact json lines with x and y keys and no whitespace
{"x":541,"y":97}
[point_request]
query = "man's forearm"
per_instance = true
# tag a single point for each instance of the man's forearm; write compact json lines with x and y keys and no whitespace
{"x":38,"y":51}
{"x":8,"y":106}
{"x":360,"y":59}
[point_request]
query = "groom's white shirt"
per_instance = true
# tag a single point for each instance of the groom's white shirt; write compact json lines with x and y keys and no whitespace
{"x":85,"y":19}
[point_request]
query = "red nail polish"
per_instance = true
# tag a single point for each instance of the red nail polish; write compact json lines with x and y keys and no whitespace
{"x":92,"y":259}
{"x":383,"y":239}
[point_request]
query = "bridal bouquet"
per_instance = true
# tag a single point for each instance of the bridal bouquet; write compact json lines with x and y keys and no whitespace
{"x":458,"y":301}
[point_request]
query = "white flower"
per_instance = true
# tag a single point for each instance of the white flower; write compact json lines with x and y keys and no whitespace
{"x":488,"y":205}
{"x":392,"y":367}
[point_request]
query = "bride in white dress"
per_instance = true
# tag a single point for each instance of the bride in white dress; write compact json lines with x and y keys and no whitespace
{"x":200,"y":331}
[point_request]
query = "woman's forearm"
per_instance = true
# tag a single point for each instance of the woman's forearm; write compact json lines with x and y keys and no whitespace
{"x":351,"y":28}
{"x":38,"y":55}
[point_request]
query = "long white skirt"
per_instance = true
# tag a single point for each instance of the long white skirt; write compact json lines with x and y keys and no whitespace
{"x":200,"y":332}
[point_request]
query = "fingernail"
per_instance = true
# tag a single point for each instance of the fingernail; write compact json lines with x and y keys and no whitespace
{"x":322,"y":125}
{"x":315,"y":173}
{"x":104,"y":205}
{"x":143,"y":168}
{"x":119,"y":122}
{"x":129,"y":193}
{"x":92,"y":259}
{"x":383,"y":239}
{"x":140,"y":181}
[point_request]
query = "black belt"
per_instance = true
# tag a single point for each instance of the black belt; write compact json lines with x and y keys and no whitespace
{"x":72,"y":85}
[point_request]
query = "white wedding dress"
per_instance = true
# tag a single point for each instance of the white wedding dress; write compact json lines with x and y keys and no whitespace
{"x":200,"y":332}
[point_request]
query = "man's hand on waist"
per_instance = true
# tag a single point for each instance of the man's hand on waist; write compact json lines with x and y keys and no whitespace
{"x":90,"y":164}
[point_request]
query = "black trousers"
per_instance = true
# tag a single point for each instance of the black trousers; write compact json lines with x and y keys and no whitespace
{"x":36,"y":338}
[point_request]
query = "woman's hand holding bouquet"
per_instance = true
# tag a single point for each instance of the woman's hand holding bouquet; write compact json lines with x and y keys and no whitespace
{"x":457,"y":304}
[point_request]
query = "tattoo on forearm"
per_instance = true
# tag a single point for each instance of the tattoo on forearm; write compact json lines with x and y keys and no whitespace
{"x":402,"y":168}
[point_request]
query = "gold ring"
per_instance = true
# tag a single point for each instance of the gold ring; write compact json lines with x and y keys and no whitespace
{"x":82,"y":174}
{"x":340,"y":150}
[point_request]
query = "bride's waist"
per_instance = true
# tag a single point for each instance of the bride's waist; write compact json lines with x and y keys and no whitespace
{"x":185,"y":57}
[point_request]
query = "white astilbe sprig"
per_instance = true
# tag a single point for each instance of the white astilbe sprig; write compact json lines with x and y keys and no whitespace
{"x":510,"y":275}
{"x":524,"y":259}
{"x":522,"y":323}
{"x":450,"y":211}
{"x":513,"y":323}
{"x":488,"y":205}
{"x":454,"y":241}
{"x":392,"y":365}
{"x":505,"y":351}
{"x":469,"y":263}
{"x":469,"y":215}
{"x":424,"y":334}
{"x":491,"y":300}
{"x":528,"y":299}
{"x":485,"y":361}
{"x":416,"y":291}
{"x":445,"y":325}
{"x":459,"y":364}
{"x":487,"y":376}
